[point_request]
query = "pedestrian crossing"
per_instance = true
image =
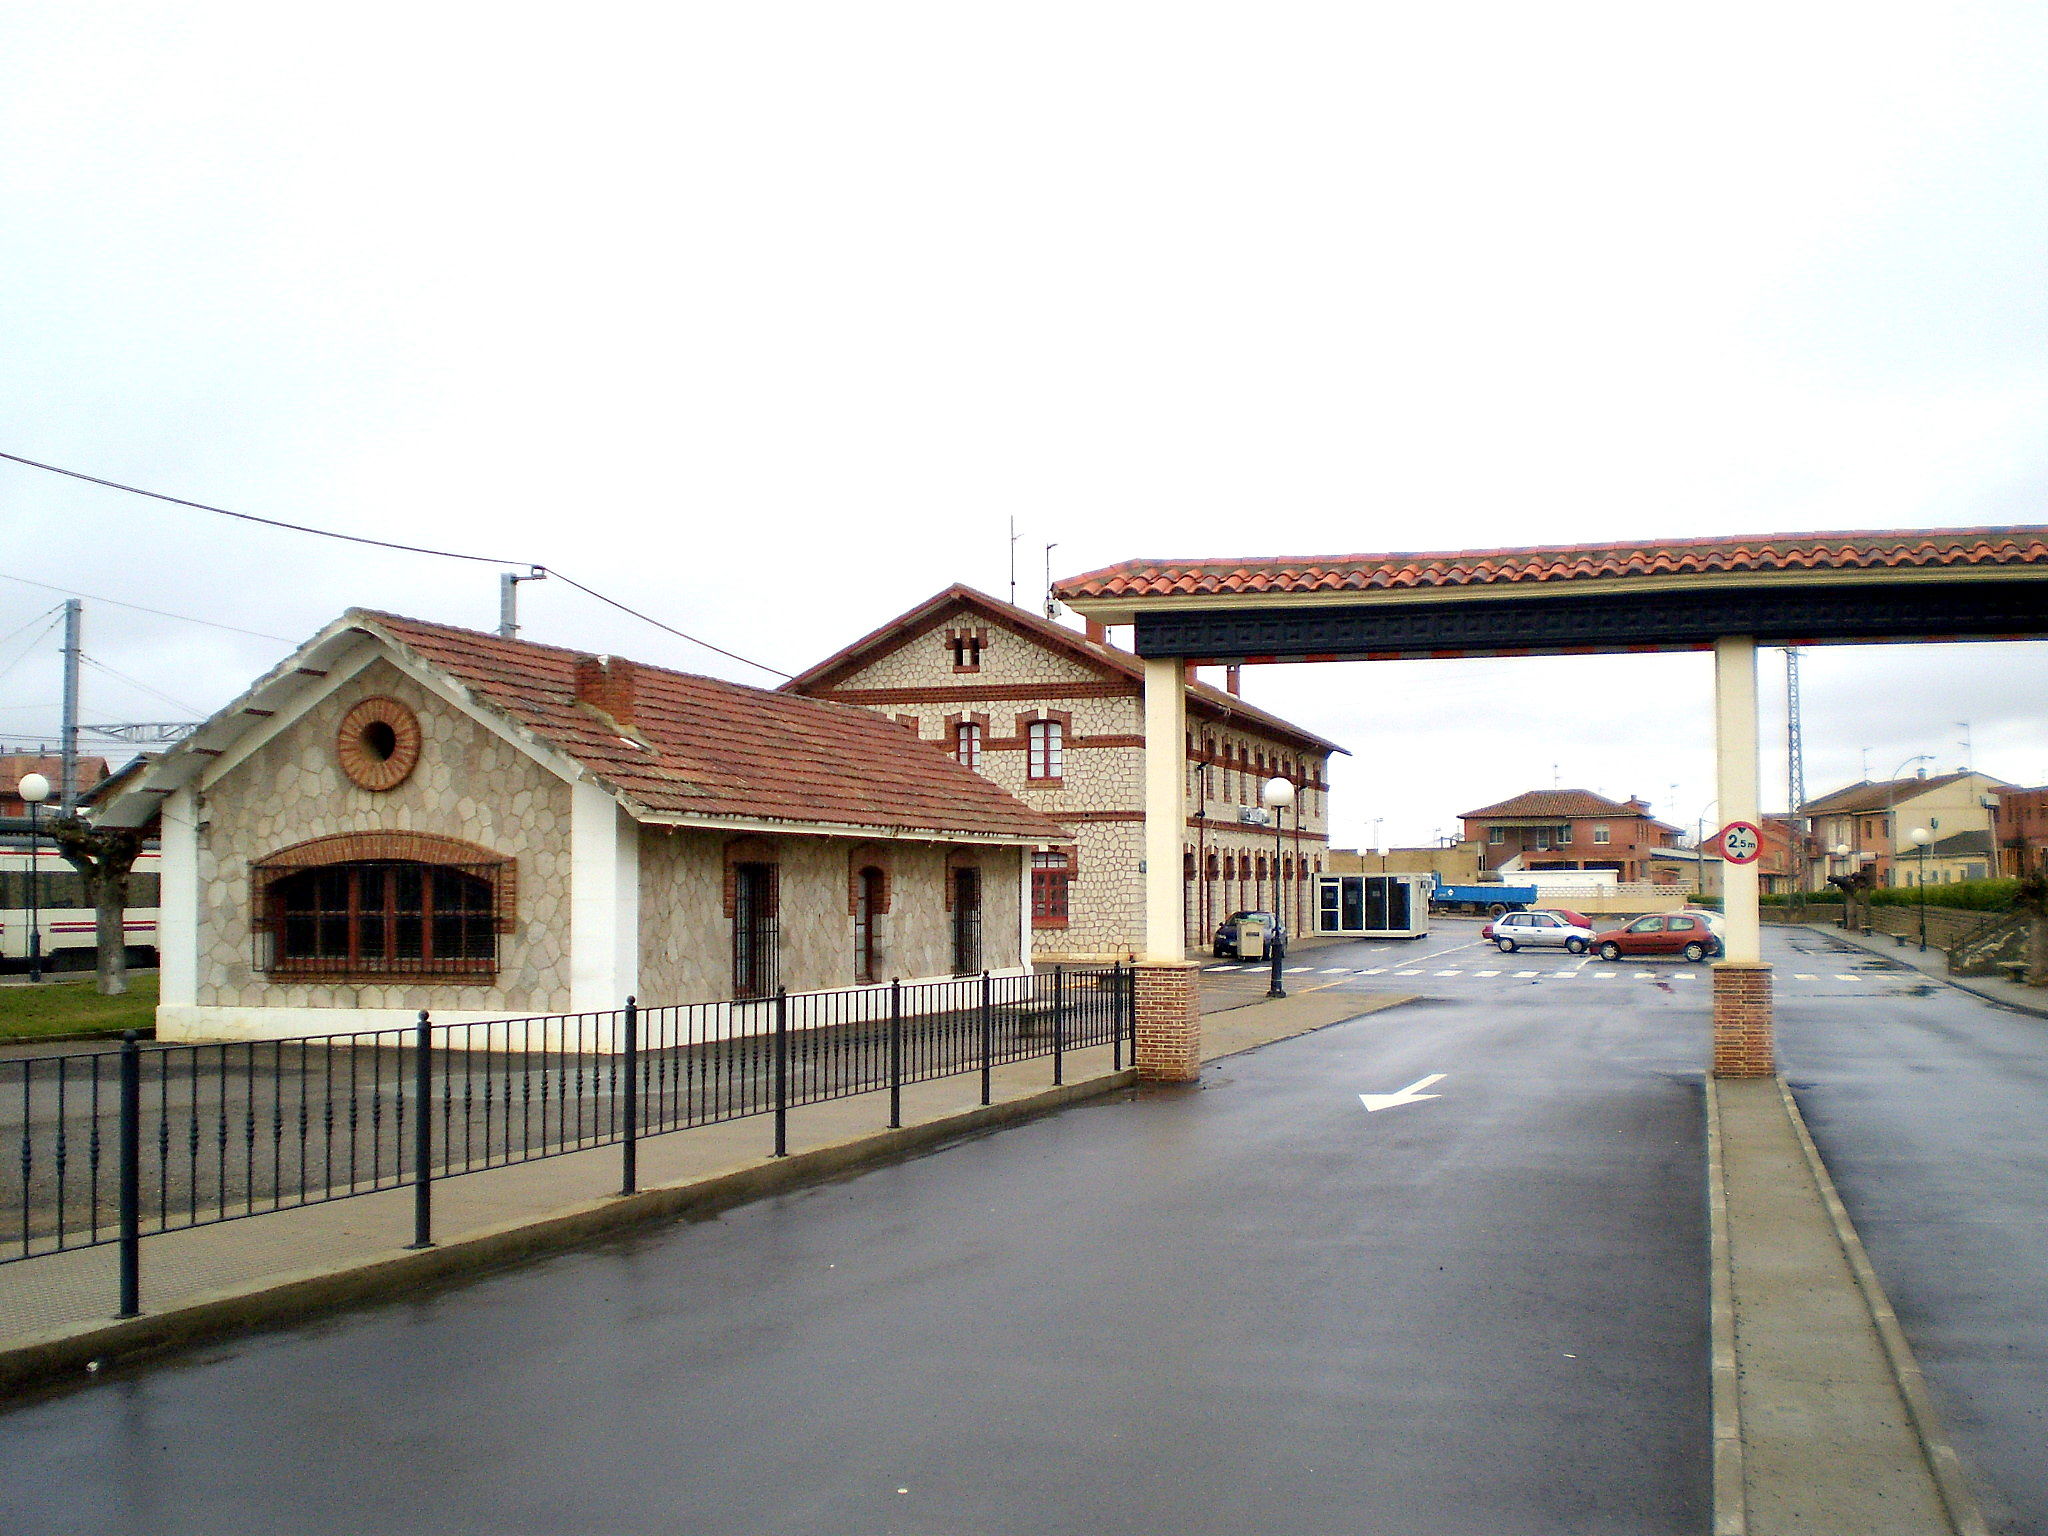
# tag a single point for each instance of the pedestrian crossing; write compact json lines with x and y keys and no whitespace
{"x":1569,"y":973}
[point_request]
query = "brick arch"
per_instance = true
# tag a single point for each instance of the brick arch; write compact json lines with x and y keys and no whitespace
{"x":959,"y":858}
{"x":501,"y":869}
{"x":753,"y":850}
{"x":863,"y":856}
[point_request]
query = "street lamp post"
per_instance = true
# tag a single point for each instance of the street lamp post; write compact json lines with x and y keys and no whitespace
{"x":1842,"y":851}
{"x":1921,"y":838}
{"x":34,"y":790}
{"x":1277,"y":795}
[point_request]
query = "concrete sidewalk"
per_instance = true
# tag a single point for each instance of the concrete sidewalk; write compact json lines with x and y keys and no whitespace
{"x":56,"y":1323}
{"x":1933,"y":963}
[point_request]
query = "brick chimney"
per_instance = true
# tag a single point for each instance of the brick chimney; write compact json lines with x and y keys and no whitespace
{"x":1098,"y":631}
{"x":606,"y":684}
{"x":1233,"y":679}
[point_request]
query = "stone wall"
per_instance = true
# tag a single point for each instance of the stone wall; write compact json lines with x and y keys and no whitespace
{"x":686,"y":935}
{"x":469,"y":784}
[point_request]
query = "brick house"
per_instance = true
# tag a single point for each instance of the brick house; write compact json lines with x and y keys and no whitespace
{"x":1569,"y":829}
{"x":1055,"y":717}
{"x":405,"y":815}
{"x":1874,"y":823}
{"x":2021,"y":830}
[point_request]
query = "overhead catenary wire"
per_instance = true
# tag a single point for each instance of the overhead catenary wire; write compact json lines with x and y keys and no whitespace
{"x":410,"y":549}
{"x":132,"y":682}
{"x":162,"y":613}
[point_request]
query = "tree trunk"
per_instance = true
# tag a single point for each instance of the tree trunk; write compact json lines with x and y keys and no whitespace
{"x":2037,"y":948}
{"x":110,"y":928}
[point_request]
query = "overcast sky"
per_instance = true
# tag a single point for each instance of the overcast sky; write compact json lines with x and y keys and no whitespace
{"x":767,"y":318}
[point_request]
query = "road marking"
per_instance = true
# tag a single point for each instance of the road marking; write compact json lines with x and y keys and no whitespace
{"x":1649,"y":975}
{"x":1538,"y":973}
{"x":1407,"y":973}
{"x":1685,"y":976}
{"x":1450,"y":973}
{"x":1378,"y":970}
{"x":1412,"y":1094}
{"x":1297,"y":970}
{"x":1804,"y":976}
{"x":1605,"y":975}
{"x":1475,"y":973}
{"x":1219,"y":967}
{"x":1567,"y":975}
{"x":1840,"y":977}
{"x":1336,"y":970}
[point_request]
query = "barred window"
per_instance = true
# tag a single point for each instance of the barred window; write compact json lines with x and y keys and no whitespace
{"x":374,"y":917}
{"x":1045,"y":756}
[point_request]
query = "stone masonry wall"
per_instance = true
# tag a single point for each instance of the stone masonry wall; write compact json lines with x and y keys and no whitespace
{"x":469,"y":784}
{"x":686,"y":938}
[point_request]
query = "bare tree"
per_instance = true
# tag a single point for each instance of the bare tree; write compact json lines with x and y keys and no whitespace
{"x":103,"y":857}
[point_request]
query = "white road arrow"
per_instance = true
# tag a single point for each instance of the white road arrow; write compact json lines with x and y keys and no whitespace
{"x":1412,"y":1094}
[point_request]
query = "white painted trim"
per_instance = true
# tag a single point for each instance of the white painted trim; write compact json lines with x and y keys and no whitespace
{"x":1166,"y":814}
{"x":1024,"y":929}
{"x":854,"y":830}
{"x":177,"y":919}
{"x":1736,"y":772}
{"x":604,"y":900}
{"x":261,"y":733}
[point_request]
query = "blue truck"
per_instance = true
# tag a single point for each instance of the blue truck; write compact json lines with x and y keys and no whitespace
{"x":1489,"y":899}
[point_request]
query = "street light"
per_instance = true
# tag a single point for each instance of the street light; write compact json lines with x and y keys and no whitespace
{"x":34,"y":789}
{"x":1277,"y":795}
{"x":1842,"y":852}
{"x":1891,"y":800}
{"x":1921,"y":838}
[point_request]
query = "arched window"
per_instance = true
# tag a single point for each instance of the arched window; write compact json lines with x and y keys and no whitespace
{"x":868,"y":904}
{"x":376,"y":917}
{"x":1045,"y":751}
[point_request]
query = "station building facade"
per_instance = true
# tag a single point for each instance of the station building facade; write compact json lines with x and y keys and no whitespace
{"x":407,"y":815}
{"x":1056,"y":717}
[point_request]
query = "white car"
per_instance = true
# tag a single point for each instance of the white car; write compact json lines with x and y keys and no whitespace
{"x":1536,"y":930}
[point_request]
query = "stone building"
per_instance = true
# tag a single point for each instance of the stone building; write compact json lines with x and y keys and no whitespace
{"x":405,"y":815}
{"x":1056,"y":718}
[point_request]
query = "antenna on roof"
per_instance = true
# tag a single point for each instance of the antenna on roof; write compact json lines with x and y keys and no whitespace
{"x":1969,"y":754}
{"x":1052,"y":609}
{"x":1013,"y":562}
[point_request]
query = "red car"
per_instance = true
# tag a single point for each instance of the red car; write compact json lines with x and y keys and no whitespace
{"x":1661,"y":933}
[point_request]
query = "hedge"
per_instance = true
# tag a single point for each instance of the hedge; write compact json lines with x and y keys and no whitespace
{"x":1967,"y":895}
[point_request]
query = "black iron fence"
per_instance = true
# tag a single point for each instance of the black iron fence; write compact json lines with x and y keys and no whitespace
{"x":115,"y":1145}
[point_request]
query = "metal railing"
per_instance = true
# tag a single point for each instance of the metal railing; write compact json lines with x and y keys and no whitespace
{"x":112,"y":1146}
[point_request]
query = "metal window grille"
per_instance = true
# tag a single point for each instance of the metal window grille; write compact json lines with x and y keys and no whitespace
{"x":966,"y":921}
{"x":755,"y":932}
{"x":379,"y":918}
{"x":867,"y":959}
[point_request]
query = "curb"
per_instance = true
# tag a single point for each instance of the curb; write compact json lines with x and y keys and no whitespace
{"x":69,"y":1356}
{"x":1960,"y":983}
{"x":1731,"y":1507}
{"x":1942,"y":1461}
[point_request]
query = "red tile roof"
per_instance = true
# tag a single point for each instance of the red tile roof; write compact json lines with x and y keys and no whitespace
{"x":1876,"y":796}
{"x":710,"y":748}
{"x":1204,"y":700}
{"x":1769,"y":553}
{"x":1558,"y":802}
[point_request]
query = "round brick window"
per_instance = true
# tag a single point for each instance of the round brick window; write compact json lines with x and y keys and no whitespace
{"x":378,"y":743}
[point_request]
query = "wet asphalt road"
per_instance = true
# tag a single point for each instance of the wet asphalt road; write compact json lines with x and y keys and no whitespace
{"x":1248,"y":1308}
{"x":1930,"y":1113}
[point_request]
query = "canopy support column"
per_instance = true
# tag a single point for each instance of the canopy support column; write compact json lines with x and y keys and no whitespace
{"x":1166,"y":1009}
{"x":1743,"y":1045}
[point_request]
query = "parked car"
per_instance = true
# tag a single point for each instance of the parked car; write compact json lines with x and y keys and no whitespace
{"x":1576,"y":919}
{"x":1226,"y":934}
{"x":1538,"y":930}
{"x":1688,"y":934}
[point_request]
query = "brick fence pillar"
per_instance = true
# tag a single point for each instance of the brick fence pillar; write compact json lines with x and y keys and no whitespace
{"x":1168,"y":1048}
{"x":1742,"y":1020}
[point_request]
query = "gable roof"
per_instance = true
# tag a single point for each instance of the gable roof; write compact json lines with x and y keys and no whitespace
{"x":1558,"y":802}
{"x":1205,"y":701}
{"x":700,"y":749}
{"x":1783,"y":554}
{"x":1878,"y":796}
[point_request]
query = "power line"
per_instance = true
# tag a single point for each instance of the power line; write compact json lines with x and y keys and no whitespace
{"x":159,"y":612}
{"x":410,"y":549}
{"x":101,"y":666}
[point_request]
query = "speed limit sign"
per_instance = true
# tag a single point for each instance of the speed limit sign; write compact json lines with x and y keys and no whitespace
{"x":1741,"y":842}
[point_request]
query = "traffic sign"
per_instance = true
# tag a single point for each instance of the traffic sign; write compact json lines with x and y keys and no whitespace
{"x":1741,"y":842}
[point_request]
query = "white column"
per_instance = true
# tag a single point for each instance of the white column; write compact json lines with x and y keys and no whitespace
{"x":604,"y":901}
{"x":1735,"y":767}
{"x":177,"y":918}
{"x":1024,"y":908}
{"x":1166,"y":816}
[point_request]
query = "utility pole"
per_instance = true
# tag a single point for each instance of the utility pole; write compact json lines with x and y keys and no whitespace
{"x":1795,"y":771}
{"x":1013,"y":562}
{"x":508,"y":600}
{"x":67,"y":799}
